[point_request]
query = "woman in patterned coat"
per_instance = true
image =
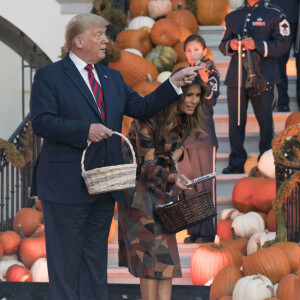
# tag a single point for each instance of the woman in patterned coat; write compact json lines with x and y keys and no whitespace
{"x":147,"y":251}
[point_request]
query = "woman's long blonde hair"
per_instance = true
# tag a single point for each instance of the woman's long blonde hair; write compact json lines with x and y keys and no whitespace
{"x":164,"y":119}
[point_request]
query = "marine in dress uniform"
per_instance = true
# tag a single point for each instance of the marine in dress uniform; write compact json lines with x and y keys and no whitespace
{"x":291,"y":9}
{"x":270,"y":38}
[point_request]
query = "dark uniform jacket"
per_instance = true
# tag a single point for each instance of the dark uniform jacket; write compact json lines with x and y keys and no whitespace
{"x":269,"y":29}
{"x":290,"y":7}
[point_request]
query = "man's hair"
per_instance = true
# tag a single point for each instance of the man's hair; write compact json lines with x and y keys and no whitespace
{"x":194,"y":37}
{"x":79,"y":24}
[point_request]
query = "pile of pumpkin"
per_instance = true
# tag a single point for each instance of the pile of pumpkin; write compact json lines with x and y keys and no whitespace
{"x":23,"y":249}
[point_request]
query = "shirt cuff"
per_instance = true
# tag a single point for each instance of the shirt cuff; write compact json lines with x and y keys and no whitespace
{"x":177,"y":90}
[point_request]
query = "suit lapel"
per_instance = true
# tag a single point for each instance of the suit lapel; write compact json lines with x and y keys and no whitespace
{"x":80,"y":84}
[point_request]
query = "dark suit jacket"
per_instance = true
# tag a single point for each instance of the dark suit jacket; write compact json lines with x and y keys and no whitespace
{"x":62,"y":109}
{"x":290,"y":7}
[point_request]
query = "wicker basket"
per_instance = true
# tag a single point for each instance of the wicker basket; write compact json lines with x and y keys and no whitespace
{"x":112,"y":178}
{"x":187,"y":212}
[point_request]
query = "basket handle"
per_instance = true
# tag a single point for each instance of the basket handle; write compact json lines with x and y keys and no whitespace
{"x":113,"y":132}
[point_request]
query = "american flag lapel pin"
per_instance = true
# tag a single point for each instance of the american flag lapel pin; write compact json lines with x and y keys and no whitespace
{"x":105,"y":76}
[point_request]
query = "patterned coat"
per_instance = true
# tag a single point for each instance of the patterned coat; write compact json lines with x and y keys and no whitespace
{"x":144,"y":248}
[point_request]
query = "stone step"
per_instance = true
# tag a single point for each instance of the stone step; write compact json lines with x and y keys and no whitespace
{"x":225,"y":184}
{"x":222,"y":127}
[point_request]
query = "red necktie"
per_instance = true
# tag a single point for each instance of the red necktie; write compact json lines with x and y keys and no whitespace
{"x":97,"y":90}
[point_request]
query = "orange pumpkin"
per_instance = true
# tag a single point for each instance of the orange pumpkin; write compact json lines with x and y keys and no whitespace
{"x":11,"y":241}
{"x":184,"y":18}
{"x":242,"y":193}
{"x":180,"y":53}
{"x":270,"y":262}
{"x":179,"y":65}
{"x":185,"y":33}
{"x":18,"y":273}
{"x":224,"y":229}
{"x":292,"y":119}
{"x":208,"y":260}
{"x":292,"y":252}
{"x":112,"y":230}
{"x":29,"y":219}
{"x":1,"y":248}
{"x":38,"y":204}
{"x":226,"y":298}
{"x":31,"y":249}
{"x":286,"y":287}
{"x":212,"y":12}
{"x":138,"y":8}
{"x":146,"y":87}
{"x":236,"y":242}
{"x":165,"y":32}
{"x":224,"y":282}
{"x":264,"y":194}
{"x":133,"y":68}
{"x":135,"y":38}
{"x":250,"y":163}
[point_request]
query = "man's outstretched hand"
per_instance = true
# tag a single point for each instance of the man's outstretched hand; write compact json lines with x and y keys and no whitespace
{"x":185,"y":76}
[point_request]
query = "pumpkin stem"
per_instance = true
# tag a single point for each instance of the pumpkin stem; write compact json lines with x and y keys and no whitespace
{"x":217,"y":243}
{"x":179,"y":6}
{"x":271,"y":291}
{"x":24,"y":278}
{"x":149,"y":78}
{"x":234,"y":235}
{"x":20,"y":231}
{"x":259,"y":247}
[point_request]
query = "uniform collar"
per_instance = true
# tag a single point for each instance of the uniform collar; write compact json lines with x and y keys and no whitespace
{"x":256,"y":5}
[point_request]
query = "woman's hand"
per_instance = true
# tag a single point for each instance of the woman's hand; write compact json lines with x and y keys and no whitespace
{"x":180,"y":181}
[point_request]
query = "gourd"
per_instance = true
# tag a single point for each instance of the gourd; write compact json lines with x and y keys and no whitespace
{"x":261,"y":238}
{"x":212,"y":12}
{"x":39,"y":270}
{"x":162,"y":57}
{"x":165,"y":32}
{"x":224,"y":282}
{"x":270,"y":262}
{"x":29,"y":219}
{"x":253,"y":287}
{"x":18,"y":273}
{"x":135,"y":38}
{"x":208,"y":260}
{"x":248,"y":224}
{"x":11,"y":241}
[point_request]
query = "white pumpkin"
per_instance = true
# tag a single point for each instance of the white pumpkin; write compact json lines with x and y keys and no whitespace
{"x":159,"y":8}
{"x":253,"y":287}
{"x":39,"y":270}
{"x":247,"y":224}
{"x":9,"y":257}
{"x":163,"y":76}
{"x":138,"y":22}
{"x":235,"y":3}
{"x":261,"y":237}
{"x":266,"y":164}
{"x":5,"y":264}
{"x":135,"y":51}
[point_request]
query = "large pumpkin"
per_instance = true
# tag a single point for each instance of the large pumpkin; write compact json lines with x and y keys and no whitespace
{"x":270,"y":262}
{"x":162,"y":57}
{"x":242,"y":193}
{"x":141,"y":22}
{"x":185,"y":33}
{"x":236,"y":242}
{"x":264,"y":194}
{"x":248,"y":224}
{"x":208,"y":260}
{"x":286,"y":287}
{"x":39,"y":270}
{"x":255,"y":287}
{"x":179,"y":65}
{"x":29,"y":219}
{"x":165,"y":32}
{"x":212,"y":12}
{"x":292,"y":252}
{"x":250,"y":163}
{"x":292,"y":119}
{"x":181,"y":3}
{"x":31,"y":249}
{"x":112,"y":230}
{"x":136,"y":38}
{"x":133,"y":68}
{"x":159,"y":8}
{"x":271,"y":221}
{"x":146,"y":87}
{"x":138,"y":8}
{"x":224,"y":282}
{"x":184,"y":18}
{"x":266,"y":164}
{"x":180,"y":53}
{"x":11,"y":241}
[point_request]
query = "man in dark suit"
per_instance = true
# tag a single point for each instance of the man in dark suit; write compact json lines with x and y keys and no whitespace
{"x":75,"y":100}
{"x":291,"y":9}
